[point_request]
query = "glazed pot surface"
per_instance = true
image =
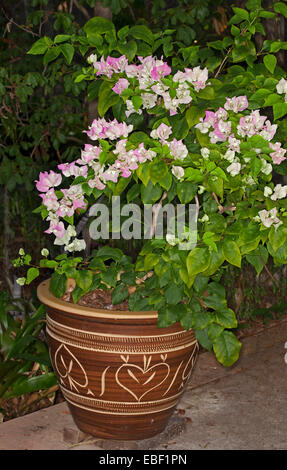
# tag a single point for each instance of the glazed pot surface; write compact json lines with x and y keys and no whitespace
{"x":121,"y":375}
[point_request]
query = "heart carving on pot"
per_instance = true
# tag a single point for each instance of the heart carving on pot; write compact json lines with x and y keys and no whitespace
{"x":139,"y":381}
{"x":70,"y":369}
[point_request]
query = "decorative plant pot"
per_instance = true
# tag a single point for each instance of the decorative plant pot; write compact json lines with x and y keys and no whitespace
{"x":121,"y":375}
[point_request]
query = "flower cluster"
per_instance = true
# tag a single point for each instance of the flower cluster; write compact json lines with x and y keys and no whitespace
{"x":281,"y":87}
{"x":114,"y":155}
{"x":124,"y":161}
{"x":220,"y":129}
{"x":149,"y":74}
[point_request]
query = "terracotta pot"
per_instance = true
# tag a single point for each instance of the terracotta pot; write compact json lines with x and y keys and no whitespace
{"x":121,"y":375}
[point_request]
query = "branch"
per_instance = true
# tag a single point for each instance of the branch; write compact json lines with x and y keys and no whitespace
{"x":269,"y":273}
{"x":155,"y":214}
{"x":11,"y":21}
{"x":82,"y":9}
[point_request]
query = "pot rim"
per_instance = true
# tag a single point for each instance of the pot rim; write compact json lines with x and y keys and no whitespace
{"x":47,"y":298}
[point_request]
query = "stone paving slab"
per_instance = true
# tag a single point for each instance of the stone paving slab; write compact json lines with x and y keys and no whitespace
{"x":242,"y":407}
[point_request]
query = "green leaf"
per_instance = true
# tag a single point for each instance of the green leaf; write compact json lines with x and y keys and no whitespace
{"x":40,"y":46}
{"x":166,"y":181}
{"x":98,"y":25}
{"x":277,"y":237}
{"x":129,"y":49}
{"x":84,"y":279}
{"x":272,"y":99}
{"x":107,"y":252}
{"x":58,"y":284}
{"x":203,"y":339}
{"x":173,"y":294}
{"x":193,"y":114}
{"x":206,"y":93}
{"x":33,"y":384}
{"x":270,"y":62}
{"x":150,"y":193}
{"x":227,"y":348}
{"x":216,"y":260}
{"x":68,"y":52}
{"x":142,"y":32}
{"x":180,"y":129}
{"x":258,"y":258}
{"x":32,"y":273}
{"x":119,"y":294}
{"x":48,"y":263}
{"x":51,"y":54}
{"x":158,"y":169}
{"x":197,"y":260}
{"x":107,"y":98}
{"x":133,"y":192}
{"x":61,"y":38}
{"x":200,"y":319}
{"x":214,"y":330}
{"x":226,"y":318}
{"x":216,"y":296}
{"x":279,"y":110}
{"x":241,"y":12}
{"x":186,"y":191}
{"x":192,"y":174}
{"x":150,"y":261}
{"x":231,"y":252}
{"x":279,"y":7}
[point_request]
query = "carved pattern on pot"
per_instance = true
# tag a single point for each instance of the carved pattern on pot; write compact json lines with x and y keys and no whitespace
{"x":146,"y":377}
{"x":113,"y":343}
{"x":65,"y":369}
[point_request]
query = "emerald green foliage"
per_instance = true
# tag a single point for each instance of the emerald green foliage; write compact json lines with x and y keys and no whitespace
{"x":185,"y":286}
{"x":21,"y":347}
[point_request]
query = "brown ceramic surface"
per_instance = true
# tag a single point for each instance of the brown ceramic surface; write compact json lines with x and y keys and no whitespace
{"x":121,"y":375}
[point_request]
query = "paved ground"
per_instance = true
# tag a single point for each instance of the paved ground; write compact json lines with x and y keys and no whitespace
{"x":239,"y":408}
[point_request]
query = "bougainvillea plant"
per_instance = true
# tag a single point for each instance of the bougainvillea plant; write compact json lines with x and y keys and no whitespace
{"x":182,"y":150}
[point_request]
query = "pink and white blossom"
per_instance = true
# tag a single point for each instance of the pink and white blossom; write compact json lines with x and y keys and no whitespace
{"x":143,"y":154}
{"x":76,"y":245}
{"x":48,"y":180}
{"x":233,"y":143}
{"x":76,"y":196}
{"x":234,"y":168}
{"x":66,"y":236}
{"x":236,"y":104}
{"x":171,"y":104}
{"x":102,"y":129}
{"x":281,"y":87}
{"x":89,"y":154}
{"x":205,"y":152}
{"x":121,"y":85}
{"x":268,"y":131}
{"x":280,"y":192}
{"x":71,"y":169}
{"x":50,"y":200}
{"x":221,"y":131}
{"x":178,"y":149}
{"x":131,"y":109}
{"x":111,"y":174}
{"x":149,"y":100}
{"x":251,"y":125}
{"x":278,"y":154}
{"x":183,"y":94}
{"x":269,"y":218}
{"x":196,"y":76}
{"x":57,"y":228}
{"x":178,"y":172}
{"x":162,"y":132}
